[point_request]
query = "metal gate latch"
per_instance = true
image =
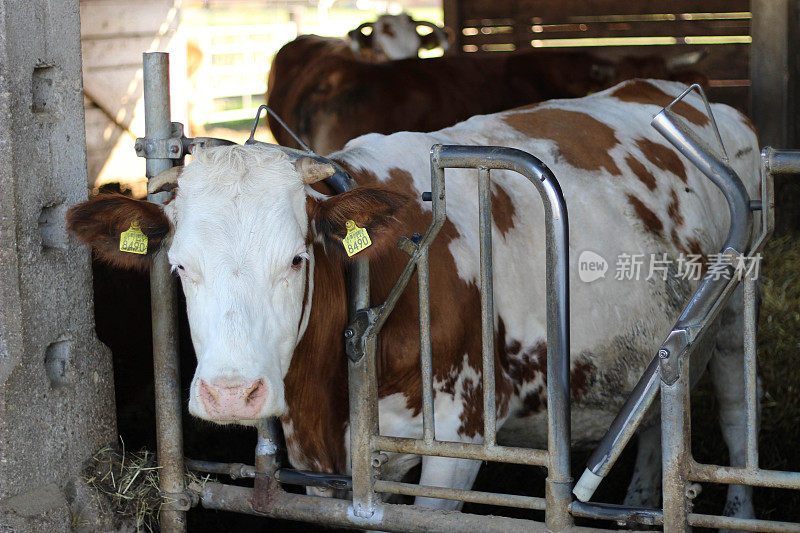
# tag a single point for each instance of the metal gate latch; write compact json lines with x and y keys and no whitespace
{"x":172,"y":148}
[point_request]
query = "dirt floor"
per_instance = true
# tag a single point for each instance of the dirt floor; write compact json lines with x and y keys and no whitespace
{"x":779,"y":338}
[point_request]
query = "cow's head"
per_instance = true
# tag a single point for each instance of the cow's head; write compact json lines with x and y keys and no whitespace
{"x":394,"y":37}
{"x":242,"y":224}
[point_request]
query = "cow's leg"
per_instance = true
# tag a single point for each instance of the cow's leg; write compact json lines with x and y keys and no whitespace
{"x":727,"y":375}
{"x":446,"y":472}
{"x":645,"y":487}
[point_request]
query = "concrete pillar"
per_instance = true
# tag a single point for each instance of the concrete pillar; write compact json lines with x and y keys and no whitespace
{"x":56,"y":388}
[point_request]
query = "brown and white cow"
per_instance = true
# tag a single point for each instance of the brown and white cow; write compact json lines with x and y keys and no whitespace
{"x":259,"y":253}
{"x":330,"y":98}
{"x":390,"y":37}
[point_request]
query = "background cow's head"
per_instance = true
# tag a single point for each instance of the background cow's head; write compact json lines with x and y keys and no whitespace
{"x":242,"y":224}
{"x":394,"y":37}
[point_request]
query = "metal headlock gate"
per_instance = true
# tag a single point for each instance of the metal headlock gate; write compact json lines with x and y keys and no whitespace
{"x":165,"y":145}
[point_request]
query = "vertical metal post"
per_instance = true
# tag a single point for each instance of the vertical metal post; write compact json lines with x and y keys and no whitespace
{"x":267,"y":446}
{"x":166,"y":365}
{"x":364,"y":424}
{"x":675,"y":450}
{"x":559,"y":480}
{"x":426,"y":356}
{"x":363,"y":395}
{"x":487,"y":307}
{"x":266,"y":464}
{"x":750,"y":368}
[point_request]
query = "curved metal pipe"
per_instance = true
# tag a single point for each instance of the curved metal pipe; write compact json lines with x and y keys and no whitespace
{"x":559,"y":480}
{"x":698,"y":312}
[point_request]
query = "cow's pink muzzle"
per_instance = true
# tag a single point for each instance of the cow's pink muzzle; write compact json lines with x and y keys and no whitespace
{"x":233,"y":401}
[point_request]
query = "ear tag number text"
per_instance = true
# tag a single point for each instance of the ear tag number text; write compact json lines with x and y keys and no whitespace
{"x":133,"y":240}
{"x":356,"y":239}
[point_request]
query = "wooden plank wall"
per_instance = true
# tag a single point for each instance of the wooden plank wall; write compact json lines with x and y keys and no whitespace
{"x":114,"y":33}
{"x":616,"y":27}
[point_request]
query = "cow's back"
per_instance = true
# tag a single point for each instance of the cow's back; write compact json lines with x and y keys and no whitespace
{"x":628,"y":193}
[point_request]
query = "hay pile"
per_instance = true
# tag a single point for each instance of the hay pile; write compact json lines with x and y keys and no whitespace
{"x":778,"y":348}
{"x":130,"y":482}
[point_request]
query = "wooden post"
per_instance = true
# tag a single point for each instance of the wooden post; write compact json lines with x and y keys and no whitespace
{"x":452,"y":20}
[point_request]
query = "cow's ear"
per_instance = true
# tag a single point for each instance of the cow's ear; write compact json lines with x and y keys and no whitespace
{"x":375,"y":209}
{"x":101,"y":222}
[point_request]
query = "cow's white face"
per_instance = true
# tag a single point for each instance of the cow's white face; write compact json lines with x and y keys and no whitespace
{"x":241,"y":223}
{"x":240,"y":249}
{"x":397,"y":36}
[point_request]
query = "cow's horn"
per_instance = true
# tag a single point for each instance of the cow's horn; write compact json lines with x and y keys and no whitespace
{"x":685,"y":60}
{"x":164,"y":181}
{"x":312,"y":171}
{"x":441,"y":35}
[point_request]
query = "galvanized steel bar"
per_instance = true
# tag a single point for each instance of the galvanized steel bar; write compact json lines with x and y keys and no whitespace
{"x":391,"y":517}
{"x":289,"y":476}
{"x":783,"y":161}
{"x":266,"y":462}
{"x":622,"y":429}
{"x":472,"y":496}
{"x":767,"y":202}
{"x":702,"y":308}
{"x":719,"y":172}
{"x":744,"y":476}
{"x":675,"y":449}
{"x":617,"y":513}
{"x":559,"y":478}
{"x":362,"y":384}
{"x":363,"y":425}
{"x":559,"y":481}
{"x":741,"y":524}
{"x":750,"y":369}
{"x":425,"y":353}
{"x":462,"y":450}
{"x":267,"y":446}
{"x":234,"y":470}
{"x":166,"y":364}
{"x":487,"y":306}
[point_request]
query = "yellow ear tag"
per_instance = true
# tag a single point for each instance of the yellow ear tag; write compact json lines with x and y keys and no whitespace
{"x":356,"y":239}
{"x":133,"y":240}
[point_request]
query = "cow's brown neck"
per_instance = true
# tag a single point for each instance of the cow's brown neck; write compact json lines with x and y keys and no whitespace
{"x":316,"y":384}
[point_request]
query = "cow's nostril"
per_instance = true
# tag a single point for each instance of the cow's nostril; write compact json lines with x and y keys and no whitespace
{"x":255,"y":392}
{"x":210,"y":391}
{"x":233,"y":400}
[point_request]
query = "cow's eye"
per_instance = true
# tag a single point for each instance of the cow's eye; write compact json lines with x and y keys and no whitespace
{"x":176,"y":268}
{"x":297,"y":261}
